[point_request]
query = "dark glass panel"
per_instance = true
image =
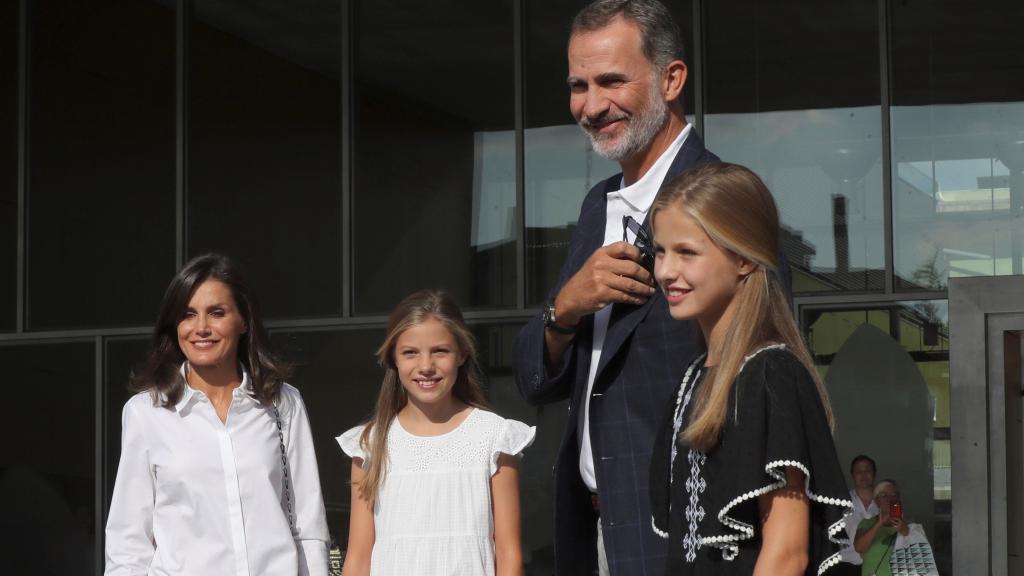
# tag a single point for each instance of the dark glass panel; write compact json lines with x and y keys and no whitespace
{"x":48,"y":460}
{"x":121,"y":357}
{"x":793,"y":93}
{"x":434,"y":196}
{"x":338,"y":376}
{"x":891,"y":364}
{"x":8,"y":165}
{"x":560,"y":165}
{"x":958,"y":140}
{"x":264,"y":181}
{"x":101,"y":212}
{"x":536,"y":485}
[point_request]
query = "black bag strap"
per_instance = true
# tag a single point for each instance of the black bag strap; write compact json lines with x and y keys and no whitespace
{"x":285,"y":476}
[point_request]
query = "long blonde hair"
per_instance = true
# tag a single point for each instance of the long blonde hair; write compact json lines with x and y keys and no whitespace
{"x":411,"y":311}
{"x":737,"y":212}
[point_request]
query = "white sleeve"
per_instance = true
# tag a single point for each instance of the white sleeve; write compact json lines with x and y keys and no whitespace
{"x":311,"y":536}
{"x":129,"y":533}
{"x":512,"y":439}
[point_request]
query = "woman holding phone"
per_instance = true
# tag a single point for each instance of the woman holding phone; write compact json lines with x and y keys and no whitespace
{"x":878,"y":536}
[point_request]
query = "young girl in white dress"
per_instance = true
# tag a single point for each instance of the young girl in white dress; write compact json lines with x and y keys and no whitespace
{"x":435,"y":481}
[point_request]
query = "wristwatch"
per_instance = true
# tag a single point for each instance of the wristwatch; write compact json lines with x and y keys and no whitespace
{"x":550,"y":322}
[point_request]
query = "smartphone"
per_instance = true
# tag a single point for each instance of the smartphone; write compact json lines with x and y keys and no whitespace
{"x":896,"y":511}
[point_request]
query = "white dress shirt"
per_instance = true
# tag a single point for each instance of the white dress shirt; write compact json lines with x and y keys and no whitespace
{"x":196,"y":496}
{"x":633,"y":200}
{"x":848,"y":554}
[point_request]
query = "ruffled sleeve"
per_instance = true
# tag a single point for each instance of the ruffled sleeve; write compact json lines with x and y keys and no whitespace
{"x":778,"y":421}
{"x":350,"y":445}
{"x":513,"y":437}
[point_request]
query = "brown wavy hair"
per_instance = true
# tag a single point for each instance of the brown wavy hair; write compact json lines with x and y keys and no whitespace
{"x":738,"y":213}
{"x":159,"y":372}
{"x":411,"y":311}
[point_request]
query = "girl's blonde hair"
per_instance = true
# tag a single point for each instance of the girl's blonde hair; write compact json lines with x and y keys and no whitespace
{"x":737,"y":211}
{"x":411,"y":311}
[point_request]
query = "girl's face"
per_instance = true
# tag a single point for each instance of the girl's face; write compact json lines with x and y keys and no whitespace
{"x":699,"y":277}
{"x":428,"y":359}
{"x":211,"y":327}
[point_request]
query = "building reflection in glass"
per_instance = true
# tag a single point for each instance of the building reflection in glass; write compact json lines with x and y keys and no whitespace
{"x":824,"y":168}
{"x":958,"y":192}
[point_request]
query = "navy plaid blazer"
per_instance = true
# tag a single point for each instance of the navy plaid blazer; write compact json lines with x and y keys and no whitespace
{"x":645,"y":352}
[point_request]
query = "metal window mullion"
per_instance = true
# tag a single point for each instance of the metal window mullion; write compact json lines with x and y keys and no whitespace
{"x":699,"y":84}
{"x":346,"y":116}
{"x":885,"y":104}
{"x":519,"y":83}
{"x":100,"y":489}
{"x":181,"y":40}
{"x":22,"y":168}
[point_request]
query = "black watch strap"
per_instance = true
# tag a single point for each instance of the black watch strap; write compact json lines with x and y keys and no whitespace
{"x":549,"y":321}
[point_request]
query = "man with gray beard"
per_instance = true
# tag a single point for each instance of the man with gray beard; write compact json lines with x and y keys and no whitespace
{"x":605,"y":339}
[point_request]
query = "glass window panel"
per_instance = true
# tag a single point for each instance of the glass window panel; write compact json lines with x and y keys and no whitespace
{"x":340,"y":391}
{"x":958,"y":141}
{"x":561,"y":167}
{"x":121,"y":357}
{"x":536,"y":486}
{"x":799,"y":103}
{"x":8,"y":164}
{"x":101,"y":173}
{"x":48,"y":461}
{"x":891,"y":364}
{"x":264,"y":180}
{"x":434,"y":167}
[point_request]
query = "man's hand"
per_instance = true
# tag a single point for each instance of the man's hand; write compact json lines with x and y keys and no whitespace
{"x":612,"y":274}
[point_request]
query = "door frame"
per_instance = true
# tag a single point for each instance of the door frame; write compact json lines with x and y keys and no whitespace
{"x":980,"y":311}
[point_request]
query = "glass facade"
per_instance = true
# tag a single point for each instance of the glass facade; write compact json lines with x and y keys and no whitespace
{"x":958,"y":142}
{"x":100,"y":173}
{"x":780,"y":102}
{"x":434,"y":199}
{"x":348,"y":153}
{"x":886,"y":369}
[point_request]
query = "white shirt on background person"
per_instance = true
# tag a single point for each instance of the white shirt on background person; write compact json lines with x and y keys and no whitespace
{"x":848,"y":554}
{"x":196,"y":496}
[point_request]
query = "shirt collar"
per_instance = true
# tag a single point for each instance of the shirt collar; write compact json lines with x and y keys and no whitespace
{"x":189,"y":393}
{"x":640,"y":194}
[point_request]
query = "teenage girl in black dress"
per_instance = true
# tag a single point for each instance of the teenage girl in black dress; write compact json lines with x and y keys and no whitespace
{"x":744,"y":478}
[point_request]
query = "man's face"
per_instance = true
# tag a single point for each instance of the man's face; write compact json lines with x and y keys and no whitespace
{"x":863,"y":474}
{"x":615,"y":92}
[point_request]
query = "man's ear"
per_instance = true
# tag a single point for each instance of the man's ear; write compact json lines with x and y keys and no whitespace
{"x":673,"y":80}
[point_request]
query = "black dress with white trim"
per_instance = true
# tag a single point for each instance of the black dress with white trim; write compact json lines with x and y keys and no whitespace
{"x":705,"y":504}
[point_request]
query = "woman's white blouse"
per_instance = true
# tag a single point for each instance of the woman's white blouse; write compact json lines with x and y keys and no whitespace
{"x":196,"y":497}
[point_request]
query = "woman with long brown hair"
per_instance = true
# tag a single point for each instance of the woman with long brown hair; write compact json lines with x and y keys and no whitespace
{"x":435,"y":486}
{"x":745,"y":477}
{"x":217,"y":473}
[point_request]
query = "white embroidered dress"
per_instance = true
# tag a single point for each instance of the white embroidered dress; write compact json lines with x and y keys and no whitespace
{"x":433,"y":513}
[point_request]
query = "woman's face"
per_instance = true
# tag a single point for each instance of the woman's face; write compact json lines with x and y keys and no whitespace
{"x":887,"y":496}
{"x":699,"y":277}
{"x":428,"y":359}
{"x":211,"y":326}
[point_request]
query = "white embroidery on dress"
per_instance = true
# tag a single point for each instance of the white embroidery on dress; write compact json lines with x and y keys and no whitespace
{"x":695,"y":485}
